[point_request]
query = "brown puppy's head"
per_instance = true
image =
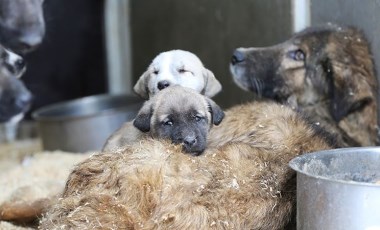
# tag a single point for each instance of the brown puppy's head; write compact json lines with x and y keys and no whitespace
{"x":329,"y":63}
{"x":15,"y":99}
{"x":181,"y":115}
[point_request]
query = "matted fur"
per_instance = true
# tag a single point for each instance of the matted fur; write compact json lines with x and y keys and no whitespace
{"x":242,"y":181}
{"x":326,"y":72}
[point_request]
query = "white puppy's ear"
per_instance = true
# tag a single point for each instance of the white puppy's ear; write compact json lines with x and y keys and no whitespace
{"x":212,"y":85}
{"x":141,"y":87}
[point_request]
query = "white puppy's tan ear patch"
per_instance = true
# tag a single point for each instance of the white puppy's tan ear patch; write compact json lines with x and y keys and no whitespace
{"x":212,"y":85}
{"x":141,"y":86}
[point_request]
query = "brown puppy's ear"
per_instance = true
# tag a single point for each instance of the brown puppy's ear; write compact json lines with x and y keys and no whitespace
{"x":142,"y":120}
{"x":141,"y":87}
{"x":217,"y":113}
{"x":212,"y":85}
{"x":351,"y":71}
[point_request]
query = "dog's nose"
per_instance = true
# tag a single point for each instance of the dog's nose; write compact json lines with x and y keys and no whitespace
{"x":237,"y":57}
{"x":189,"y":141}
{"x":163,"y":84}
{"x":24,"y":101}
{"x":20,"y":64}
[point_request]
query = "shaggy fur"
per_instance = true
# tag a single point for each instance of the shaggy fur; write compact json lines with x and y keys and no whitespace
{"x":177,"y":113}
{"x":177,"y":67}
{"x":242,"y":180}
{"x":325,"y":72}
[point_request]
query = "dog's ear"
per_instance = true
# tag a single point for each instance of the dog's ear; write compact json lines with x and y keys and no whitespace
{"x":352,"y":79}
{"x":142,"y":120}
{"x":217,"y":113}
{"x":212,"y":85}
{"x":141,"y":87}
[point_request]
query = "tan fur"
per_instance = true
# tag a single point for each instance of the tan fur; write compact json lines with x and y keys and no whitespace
{"x":242,"y":181}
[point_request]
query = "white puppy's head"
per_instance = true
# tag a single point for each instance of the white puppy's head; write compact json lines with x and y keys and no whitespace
{"x":177,"y":67}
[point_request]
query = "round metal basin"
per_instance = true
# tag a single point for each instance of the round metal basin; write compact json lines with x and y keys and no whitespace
{"x":84,"y":124}
{"x":338,"y":189}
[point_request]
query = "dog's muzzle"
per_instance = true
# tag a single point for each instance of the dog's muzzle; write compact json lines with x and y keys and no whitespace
{"x":237,"y":57}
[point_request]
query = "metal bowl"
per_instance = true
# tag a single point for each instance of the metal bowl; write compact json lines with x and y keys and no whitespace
{"x":338,"y":189}
{"x":84,"y":124}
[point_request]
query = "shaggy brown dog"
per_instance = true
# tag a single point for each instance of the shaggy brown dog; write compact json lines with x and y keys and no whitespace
{"x":242,"y":181}
{"x":326,"y":72}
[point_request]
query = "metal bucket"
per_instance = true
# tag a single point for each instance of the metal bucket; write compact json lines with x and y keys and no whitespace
{"x":84,"y":124}
{"x":338,"y":189}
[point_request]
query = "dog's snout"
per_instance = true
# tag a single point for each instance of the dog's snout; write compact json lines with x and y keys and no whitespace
{"x":163,"y":84}
{"x":24,"y":100}
{"x":20,"y":64}
{"x":237,"y":57}
{"x":189,"y":141}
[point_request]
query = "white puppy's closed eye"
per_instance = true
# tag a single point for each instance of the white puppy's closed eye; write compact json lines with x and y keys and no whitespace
{"x":177,"y":67}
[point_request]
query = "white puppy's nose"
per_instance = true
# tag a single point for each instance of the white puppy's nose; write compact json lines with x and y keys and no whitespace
{"x":163,"y":84}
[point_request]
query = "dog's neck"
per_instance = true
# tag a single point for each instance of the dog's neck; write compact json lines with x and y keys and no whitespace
{"x":352,"y":125}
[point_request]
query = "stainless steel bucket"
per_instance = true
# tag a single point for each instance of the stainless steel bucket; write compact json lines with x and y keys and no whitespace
{"x":338,"y":189}
{"x":84,"y":124}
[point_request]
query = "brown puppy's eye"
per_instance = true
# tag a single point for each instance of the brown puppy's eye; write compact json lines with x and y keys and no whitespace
{"x":297,"y":55}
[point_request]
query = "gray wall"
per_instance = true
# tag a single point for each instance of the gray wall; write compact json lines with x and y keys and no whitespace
{"x":364,"y":14}
{"x":211,"y":29}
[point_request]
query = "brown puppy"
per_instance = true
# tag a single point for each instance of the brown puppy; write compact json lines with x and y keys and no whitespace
{"x":242,"y":180}
{"x":326,"y":72}
{"x":179,"y":114}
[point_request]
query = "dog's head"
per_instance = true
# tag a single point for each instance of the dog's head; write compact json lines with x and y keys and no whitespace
{"x":180,"y":114}
{"x":22,"y":25}
{"x":323,"y":63}
{"x":177,"y":67}
{"x":15,"y":99}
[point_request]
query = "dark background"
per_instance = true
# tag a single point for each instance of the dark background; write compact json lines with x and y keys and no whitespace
{"x":70,"y":63}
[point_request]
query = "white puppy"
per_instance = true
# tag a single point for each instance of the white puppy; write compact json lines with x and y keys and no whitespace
{"x":177,"y":67}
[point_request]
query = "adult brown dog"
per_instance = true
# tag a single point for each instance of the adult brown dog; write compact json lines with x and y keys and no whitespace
{"x":326,"y":72}
{"x":241,"y":181}
{"x":177,"y":113}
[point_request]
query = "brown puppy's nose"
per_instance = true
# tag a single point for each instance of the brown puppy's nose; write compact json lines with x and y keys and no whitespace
{"x":189,"y":141}
{"x":237,"y":57}
{"x":163,"y":84}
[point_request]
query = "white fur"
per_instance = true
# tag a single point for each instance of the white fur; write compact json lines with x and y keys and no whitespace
{"x":178,"y":67}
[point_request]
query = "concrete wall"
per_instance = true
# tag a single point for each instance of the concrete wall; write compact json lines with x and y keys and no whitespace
{"x":212,"y":29}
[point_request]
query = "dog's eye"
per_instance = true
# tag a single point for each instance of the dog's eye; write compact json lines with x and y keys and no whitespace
{"x":182,"y":70}
{"x":155,"y":71}
{"x":198,"y":118}
{"x":167,"y":122}
{"x":297,"y":55}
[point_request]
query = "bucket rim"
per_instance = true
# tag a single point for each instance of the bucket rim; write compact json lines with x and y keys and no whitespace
{"x":297,"y":161}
